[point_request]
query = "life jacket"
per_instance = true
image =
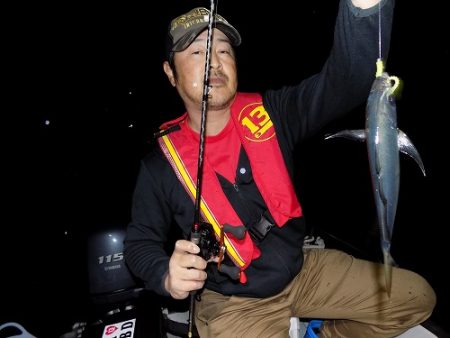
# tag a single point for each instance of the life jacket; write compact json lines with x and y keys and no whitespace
{"x":258,"y":137}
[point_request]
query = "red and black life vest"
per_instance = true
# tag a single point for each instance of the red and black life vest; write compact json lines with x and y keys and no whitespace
{"x":257,"y":136}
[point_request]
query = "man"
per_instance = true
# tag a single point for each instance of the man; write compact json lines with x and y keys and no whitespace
{"x":248,"y":196}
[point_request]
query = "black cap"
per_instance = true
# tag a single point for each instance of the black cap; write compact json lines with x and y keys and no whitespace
{"x":186,"y":27}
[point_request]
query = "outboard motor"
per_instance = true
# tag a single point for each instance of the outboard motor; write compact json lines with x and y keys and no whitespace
{"x":122,"y":308}
{"x":110,"y":281}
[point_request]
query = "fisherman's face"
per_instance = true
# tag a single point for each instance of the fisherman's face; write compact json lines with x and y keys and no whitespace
{"x":190,"y":68}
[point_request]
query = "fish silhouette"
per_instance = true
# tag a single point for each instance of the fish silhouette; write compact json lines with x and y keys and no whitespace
{"x":384,"y":143}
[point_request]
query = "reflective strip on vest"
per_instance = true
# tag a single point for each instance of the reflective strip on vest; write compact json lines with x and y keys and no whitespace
{"x":188,"y":183}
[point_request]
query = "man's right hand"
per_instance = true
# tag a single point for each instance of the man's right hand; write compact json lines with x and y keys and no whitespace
{"x":186,"y":270}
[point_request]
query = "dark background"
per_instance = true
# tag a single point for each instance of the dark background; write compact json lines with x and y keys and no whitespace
{"x":93,"y":72}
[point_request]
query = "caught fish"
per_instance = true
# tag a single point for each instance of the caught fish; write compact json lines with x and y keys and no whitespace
{"x":384,"y":143}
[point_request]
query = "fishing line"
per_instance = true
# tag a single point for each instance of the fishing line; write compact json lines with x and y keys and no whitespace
{"x":379,"y":62}
{"x":379,"y":30}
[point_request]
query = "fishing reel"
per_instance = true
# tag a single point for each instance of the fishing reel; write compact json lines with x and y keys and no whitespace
{"x":211,"y":247}
{"x":208,"y":244}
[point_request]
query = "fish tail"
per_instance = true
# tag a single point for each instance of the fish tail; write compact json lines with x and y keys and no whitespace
{"x":388,"y":263}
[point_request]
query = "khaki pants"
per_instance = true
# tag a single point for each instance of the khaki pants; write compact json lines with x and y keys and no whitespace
{"x":331,"y":285}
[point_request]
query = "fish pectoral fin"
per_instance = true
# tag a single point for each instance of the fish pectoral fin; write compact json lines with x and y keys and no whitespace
{"x":357,"y":134}
{"x":407,"y":147}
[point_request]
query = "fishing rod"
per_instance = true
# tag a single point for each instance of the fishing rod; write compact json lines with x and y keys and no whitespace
{"x":196,"y":228}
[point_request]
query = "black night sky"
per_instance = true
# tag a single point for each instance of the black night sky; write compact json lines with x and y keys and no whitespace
{"x":87,"y":91}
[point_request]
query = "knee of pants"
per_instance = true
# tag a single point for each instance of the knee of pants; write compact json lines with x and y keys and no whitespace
{"x":423,"y":295}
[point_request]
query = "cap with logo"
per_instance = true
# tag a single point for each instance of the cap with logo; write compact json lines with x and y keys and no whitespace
{"x":186,"y":27}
